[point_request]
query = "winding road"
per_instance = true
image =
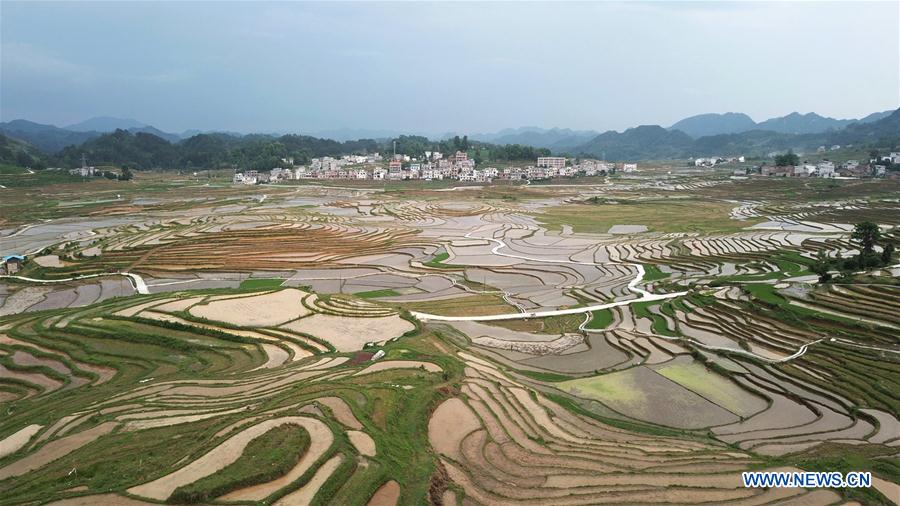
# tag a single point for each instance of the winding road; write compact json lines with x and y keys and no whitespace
{"x":136,"y":280}
{"x":632,"y":285}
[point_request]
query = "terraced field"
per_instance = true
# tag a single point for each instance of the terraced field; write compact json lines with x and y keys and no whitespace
{"x":359,"y":346}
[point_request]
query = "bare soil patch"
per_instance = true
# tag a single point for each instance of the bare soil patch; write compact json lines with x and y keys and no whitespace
{"x":214,"y":460}
{"x":351,"y":334}
{"x":449,"y":425}
{"x":320,"y":440}
{"x":399,"y":364}
{"x":306,"y":493}
{"x":341,"y":411}
{"x":265,"y":310}
{"x":363,"y":443}
{"x":55,"y":450}
{"x":12,"y":443}
{"x":386,"y":495}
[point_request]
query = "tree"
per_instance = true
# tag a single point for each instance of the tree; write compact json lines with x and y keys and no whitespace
{"x":887,"y":254}
{"x":786,"y":159}
{"x":821,"y":267}
{"x":867,"y":234}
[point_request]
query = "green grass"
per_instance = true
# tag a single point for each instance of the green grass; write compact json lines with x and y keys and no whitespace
{"x":438,"y":262}
{"x":659,"y":326}
{"x":8,"y":170}
{"x":790,"y":264}
{"x":11,"y":179}
{"x":653,"y":273}
{"x":374,"y":294}
{"x":766,"y":293}
{"x":259,"y":284}
{"x":548,"y":377}
{"x":600,"y":319}
{"x":265,"y":458}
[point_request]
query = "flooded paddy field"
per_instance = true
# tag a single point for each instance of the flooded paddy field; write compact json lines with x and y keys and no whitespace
{"x":563,"y":343}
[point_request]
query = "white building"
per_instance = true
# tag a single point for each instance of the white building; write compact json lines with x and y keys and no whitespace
{"x":825,"y":169}
{"x":807,"y":169}
{"x":629,"y":167}
{"x":551,"y":162}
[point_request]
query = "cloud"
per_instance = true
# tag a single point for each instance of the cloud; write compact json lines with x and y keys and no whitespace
{"x":29,"y":61}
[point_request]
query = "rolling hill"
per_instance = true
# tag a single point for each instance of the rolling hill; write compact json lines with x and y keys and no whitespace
{"x":714,"y":124}
{"x":105,"y":124}
{"x":654,"y":142}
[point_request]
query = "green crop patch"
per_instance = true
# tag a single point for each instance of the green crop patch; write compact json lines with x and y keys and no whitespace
{"x":374,"y":294}
{"x":260,"y":284}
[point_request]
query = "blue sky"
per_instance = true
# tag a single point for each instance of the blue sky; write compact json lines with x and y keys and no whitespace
{"x":442,"y":66}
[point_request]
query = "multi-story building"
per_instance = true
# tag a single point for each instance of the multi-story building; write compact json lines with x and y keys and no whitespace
{"x":551,"y":162}
{"x":825,"y":169}
{"x":395,"y":170}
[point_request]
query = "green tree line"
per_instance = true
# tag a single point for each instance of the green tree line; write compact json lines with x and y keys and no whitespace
{"x":145,"y":151}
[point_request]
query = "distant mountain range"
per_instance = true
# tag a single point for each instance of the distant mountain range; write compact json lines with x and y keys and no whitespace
{"x":556,"y":139}
{"x":702,"y":135}
{"x":715,"y":124}
{"x":794,"y":123}
{"x":652,"y":142}
{"x":51,"y":138}
{"x":105,"y":124}
{"x":47,"y":138}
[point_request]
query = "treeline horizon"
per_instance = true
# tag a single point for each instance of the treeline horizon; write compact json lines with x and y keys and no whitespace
{"x":145,"y":151}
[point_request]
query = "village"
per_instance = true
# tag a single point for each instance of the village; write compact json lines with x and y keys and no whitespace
{"x":876,"y":167}
{"x":434,"y":167}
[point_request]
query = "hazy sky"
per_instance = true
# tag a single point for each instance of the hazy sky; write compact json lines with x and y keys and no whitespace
{"x":443,"y":66}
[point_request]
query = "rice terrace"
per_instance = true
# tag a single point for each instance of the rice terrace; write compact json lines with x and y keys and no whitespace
{"x":313,"y":344}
